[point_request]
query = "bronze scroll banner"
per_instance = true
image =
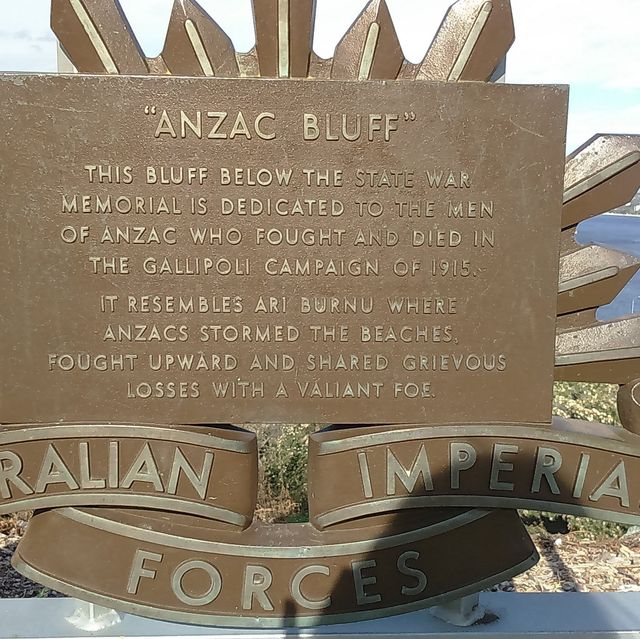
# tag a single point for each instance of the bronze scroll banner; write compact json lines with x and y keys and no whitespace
{"x":269,"y":575}
{"x":571,"y":467}
{"x":174,"y":264}
{"x":185,"y":469}
{"x":379,"y":515}
{"x":207,"y":477}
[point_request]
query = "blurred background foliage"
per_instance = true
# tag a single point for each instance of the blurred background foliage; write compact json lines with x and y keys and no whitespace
{"x":591,"y":402}
{"x":282,"y":484}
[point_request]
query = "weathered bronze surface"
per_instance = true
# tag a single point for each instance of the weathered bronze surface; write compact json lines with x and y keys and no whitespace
{"x":363,"y":292}
{"x":574,"y":467}
{"x":583,"y":265}
{"x":269,"y":575}
{"x":203,"y":471}
{"x":580,"y":319}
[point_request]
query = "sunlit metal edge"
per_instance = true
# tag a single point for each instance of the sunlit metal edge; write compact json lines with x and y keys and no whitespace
{"x":198,"y":48}
{"x":597,"y":356}
{"x":135,"y":500}
{"x":601,"y":176}
{"x":584,"y":280}
{"x":506,"y":430}
{"x":368,"y":52}
{"x":283,"y":39}
{"x":405,"y":502}
{"x":170,"y":433}
{"x":283,"y":552}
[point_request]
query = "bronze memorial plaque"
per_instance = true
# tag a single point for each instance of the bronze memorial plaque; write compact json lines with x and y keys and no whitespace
{"x":384,"y":247}
{"x":196,"y":250}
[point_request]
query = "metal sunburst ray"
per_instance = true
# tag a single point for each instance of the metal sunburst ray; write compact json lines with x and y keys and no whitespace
{"x":580,"y":319}
{"x":97,"y":37}
{"x":473,"y":38}
{"x":602,"y":174}
{"x":196,"y":45}
{"x":599,"y":176}
{"x":592,"y":276}
{"x":370,"y":48}
{"x":607,"y":352}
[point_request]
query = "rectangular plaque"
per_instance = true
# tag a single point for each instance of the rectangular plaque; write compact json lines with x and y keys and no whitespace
{"x":204,"y":250}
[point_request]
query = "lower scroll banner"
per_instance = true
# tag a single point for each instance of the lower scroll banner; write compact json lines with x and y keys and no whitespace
{"x":270,"y":575}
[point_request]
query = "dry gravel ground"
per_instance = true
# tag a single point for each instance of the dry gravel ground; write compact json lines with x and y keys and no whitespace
{"x":569,"y":562}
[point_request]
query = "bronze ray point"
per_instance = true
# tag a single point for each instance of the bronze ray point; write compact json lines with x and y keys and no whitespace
{"x":370,"y":50}
{"x":606,"y":352}
{"x":584,"y":286}
{"x":195,"y":44}
{"x":96,"y":37}
{"x":592,"y":276}
{"x":473,"y":38}
{"x":600,"y":175}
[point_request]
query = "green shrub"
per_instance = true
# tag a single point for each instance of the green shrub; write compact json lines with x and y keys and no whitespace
{"x":283,"y":469}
